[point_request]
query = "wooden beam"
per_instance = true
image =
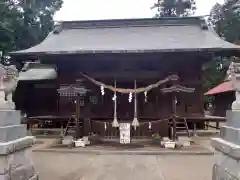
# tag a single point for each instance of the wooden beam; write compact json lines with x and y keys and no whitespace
{"x":126,"y":75}
{"x":135,"y":75}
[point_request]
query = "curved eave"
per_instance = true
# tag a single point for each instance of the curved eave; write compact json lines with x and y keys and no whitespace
{"x":36,"y":74}
{"x":215,"y":51}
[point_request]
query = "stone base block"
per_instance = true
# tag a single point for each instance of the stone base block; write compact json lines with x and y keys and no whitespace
{"x":230,"y":134}
{"x":35,"y":177}
{"x":9,"y":117}
{"x":226,"y":147}
{"x":227,"y":164}
{"x":227,"y":155}
{"x":14,"y":160}
{"x":16,"y":145}
{"x":67,"y":140}
{"x":233,"y":118}
{"x":184,"y":141}
{"x":24,"y":172}
{"x":220,"y":173}
{"x":13,"y":132}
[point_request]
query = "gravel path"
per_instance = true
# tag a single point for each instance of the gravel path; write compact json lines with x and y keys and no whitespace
{"x":67,"y":166}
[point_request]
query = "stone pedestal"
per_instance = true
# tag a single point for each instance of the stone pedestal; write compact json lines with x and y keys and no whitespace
{"x":227,"y":146}
{"x":15,"y":148}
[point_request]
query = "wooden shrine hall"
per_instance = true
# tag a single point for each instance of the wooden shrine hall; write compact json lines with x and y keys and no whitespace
{"x":146,"y":72}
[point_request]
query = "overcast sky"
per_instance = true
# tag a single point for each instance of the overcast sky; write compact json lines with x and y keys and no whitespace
{"x":114,"y":9}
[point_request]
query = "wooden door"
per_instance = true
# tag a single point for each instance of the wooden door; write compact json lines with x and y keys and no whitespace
{"x":125,"y":109}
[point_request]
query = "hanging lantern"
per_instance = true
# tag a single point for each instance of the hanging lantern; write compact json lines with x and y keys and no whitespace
{"x":149,"y":125}
{"x":145,"y":94}
{"x":115,"y":122}
{"x":135,"y":122}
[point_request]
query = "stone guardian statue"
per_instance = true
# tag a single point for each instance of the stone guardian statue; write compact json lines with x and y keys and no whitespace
{"x":236,"y":85}
{"x":8,"y":84}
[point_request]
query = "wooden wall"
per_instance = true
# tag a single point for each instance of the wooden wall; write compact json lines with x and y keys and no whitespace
{"x":37,"y":97}
{"x":144,"y":68}
{"x":222,"y":103}
{"x":158,"y":105}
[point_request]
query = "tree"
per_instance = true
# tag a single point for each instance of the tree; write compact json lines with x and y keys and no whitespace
{"x":174,"y":8}
{"x":37,"y":21}
{"x":6,"y":26}
{"x":226,"y":22}
{"x":25,"y":23}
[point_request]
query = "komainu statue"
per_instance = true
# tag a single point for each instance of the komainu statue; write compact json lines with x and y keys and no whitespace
{"x":8,"y":84}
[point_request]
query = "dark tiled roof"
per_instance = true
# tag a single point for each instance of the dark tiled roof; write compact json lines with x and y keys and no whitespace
{"x":131,"y":35}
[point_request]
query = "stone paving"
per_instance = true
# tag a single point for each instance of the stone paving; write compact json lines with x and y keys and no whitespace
{"x":73,"y":166}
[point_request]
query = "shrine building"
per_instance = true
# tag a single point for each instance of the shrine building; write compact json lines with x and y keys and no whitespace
{"x":146,"y":72}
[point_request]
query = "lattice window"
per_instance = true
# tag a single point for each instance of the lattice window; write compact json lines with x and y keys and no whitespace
{"x":93,"y":99}
{"x":68,"y":94}
{"x":81,"y":102}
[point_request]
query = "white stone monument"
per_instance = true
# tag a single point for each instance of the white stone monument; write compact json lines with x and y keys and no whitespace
{"x":15,"y":147}
{"x":227,"y":146}
{"x":124,"y":133}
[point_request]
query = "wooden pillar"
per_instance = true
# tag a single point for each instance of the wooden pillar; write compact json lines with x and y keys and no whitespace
{"x":174,"y":90}
{"x":86,"y":126}
{"x":217,"y":125}
{"x":77,"y":131}
{"x":194,"y":129}
{"x":174,"y":100}
{"x":174,"y":116}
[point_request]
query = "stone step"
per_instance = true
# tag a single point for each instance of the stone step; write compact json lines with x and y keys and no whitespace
{"x":233,"y":118}
{"x":9,"y":117}
{"x":12,"y":132}
{"x":226,"y":164}
{"x":231,"y":149}
{"x":16,"y":145}
{"x":17,"y":159}
{"x":230,"y":134}
{"x":23,"y":172}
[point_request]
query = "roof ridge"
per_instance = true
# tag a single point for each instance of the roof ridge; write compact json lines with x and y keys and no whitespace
{"x":166,"y":21}
{"x":135,"y":19}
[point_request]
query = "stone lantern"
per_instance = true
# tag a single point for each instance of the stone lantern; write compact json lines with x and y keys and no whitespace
{"x":15,"y":145}
{"x":227,"y":146}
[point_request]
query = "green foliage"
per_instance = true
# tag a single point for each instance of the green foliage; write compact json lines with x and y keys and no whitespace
{"x":25,"y":23}
{"x":174,"y":8}
{"x":214,"y":74}
{"x":226,"y":21}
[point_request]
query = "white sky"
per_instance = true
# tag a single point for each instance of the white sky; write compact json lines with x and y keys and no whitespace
{"x":115,"y":9}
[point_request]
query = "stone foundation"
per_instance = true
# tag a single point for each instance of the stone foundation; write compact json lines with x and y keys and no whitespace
{"x":15,"y":148}
{"x":227,"y":149}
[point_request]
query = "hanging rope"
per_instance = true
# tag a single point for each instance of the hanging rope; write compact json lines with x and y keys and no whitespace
{"x":128,"y":91}
{"x":140,"y":123}
{"x":115,"y":122}
{"x":135,"y":122}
